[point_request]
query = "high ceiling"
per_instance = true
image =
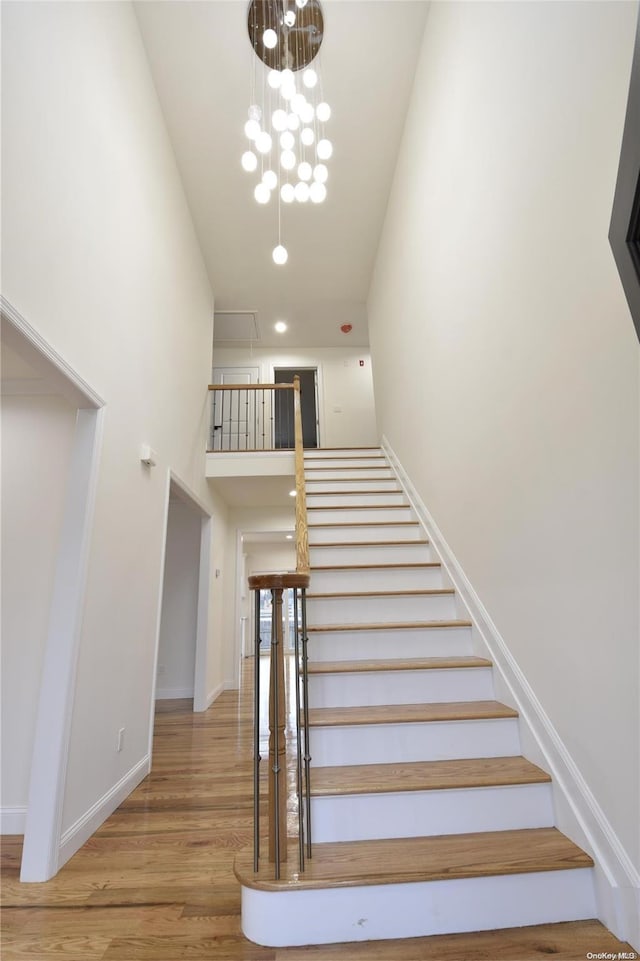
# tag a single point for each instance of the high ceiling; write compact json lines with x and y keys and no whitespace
{"x":201,"y":62}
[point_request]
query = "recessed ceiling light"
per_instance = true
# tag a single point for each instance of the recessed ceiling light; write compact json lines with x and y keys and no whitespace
{"x":289,"y":537}
{"x":280,"y":327}
{"x":292,"y":493}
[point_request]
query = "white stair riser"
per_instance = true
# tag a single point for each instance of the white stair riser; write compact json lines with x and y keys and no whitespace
{"x":409,"y":579}
{"x":377,"y":912}
{"x":351,"y":484}
{"x":333,"y":452}
{"x":363,"y":817}
{"x":355,"y":645}
{"x":344,"y":462}
{"x":339,"y":534}
{"x":419,"y":553}
{"x":361,"y":515}
{"x":339,"y":474}
{"x":400,"y":687}
{"x":427,"y":741}
{"x":381,"y":609}
{"x":355,"y":499}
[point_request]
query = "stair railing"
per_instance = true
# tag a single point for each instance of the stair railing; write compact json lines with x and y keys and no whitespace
{"x":251,"y":417}
{"x":276,"y":583}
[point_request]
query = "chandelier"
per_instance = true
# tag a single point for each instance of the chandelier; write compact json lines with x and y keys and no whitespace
{"x":287,"y":111}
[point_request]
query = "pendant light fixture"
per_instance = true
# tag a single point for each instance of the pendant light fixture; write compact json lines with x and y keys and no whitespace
{"x":286,"y":121}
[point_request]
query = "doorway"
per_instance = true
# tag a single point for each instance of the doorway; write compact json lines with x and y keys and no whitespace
{"x":284,"y":425}
{"x":184,"y":606}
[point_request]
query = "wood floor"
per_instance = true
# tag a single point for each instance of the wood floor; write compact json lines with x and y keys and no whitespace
{"x":156,"y":882}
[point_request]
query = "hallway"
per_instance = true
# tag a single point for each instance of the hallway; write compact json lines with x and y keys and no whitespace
{"x":156,"y":881}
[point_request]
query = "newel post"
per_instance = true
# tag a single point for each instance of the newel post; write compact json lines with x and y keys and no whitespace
{"x":277,"y":743}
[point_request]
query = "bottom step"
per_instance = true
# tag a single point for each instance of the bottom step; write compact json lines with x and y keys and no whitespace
{"x":404,"y":888}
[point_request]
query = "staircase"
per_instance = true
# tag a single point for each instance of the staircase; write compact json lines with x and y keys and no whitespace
{"x":426,"y":818}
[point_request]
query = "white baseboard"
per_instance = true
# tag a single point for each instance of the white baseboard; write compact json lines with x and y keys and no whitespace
{"x":215,"y":693}
{"x":578,"y":813}
{"x":12,"y":820}
{"x":173,"y":693}
{"x":75,"y":836}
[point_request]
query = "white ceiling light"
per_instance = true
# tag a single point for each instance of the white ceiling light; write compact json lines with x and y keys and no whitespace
{"x":280,"y":255}
{"x":287,"y":112}
{"x":280,"y":327}
{"x":270,"y":39}
{"x":292,"y":493}
{"x":249,"y":161}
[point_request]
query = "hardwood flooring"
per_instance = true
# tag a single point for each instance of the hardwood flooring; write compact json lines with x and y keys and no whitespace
{"x":156,"y":882}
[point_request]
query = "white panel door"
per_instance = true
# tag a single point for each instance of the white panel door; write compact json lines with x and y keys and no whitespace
{"x":235,"y":415}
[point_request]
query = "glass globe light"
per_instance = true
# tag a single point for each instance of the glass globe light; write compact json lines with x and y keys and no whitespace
{"x":262,"y":194}
{"x":307,"y":113}
{"x":252,"y":129}
{"x":274,"y":79}
{"x":323,"y":112}
{"x":287,"y":159}
{"x":317,"y":192}
{"x":310,"y":78}
{"x":279,"y":119}
{"x":287,"y":140}
{"x":249,"y":161}
{"x":307,"y":136}
{"x":287,"y":193}
{"x":320,"y":173}
{"x":289,"y":18}
{"x":298,"y":102}
{"x":254,"y":112}
{"x":270,"y":39}
{"x":288,"y":89}
{"x":280,"y":255}
{"x":324,"y":149}
{"x":294,"y":121}
{"x":270,"y":179}
{"x":288,"y":76}
{"x":304,"y":171}
{"x":263,"y":142}
{"x":301,"y":191}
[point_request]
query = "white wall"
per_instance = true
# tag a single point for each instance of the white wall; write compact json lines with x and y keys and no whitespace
{"x":345,"y":389}
{"x":37,"y":435}
{"x":100,"y":256}
{"x":495,"y":300}
{"x":178,"y":619}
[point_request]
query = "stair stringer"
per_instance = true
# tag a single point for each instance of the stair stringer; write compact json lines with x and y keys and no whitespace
{"x":578,"y":814}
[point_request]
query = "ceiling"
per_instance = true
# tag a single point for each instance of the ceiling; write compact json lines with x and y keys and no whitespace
{"x":201,"y":62}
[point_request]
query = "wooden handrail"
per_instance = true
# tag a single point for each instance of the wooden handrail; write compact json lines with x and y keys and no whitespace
{"x":251,"y":387}
{"x":302,"y":531}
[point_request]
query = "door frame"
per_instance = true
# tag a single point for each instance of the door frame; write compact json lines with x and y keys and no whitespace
{"x":180,"y":489}
{"x":319,"y":391}
{"x":41,"y":852}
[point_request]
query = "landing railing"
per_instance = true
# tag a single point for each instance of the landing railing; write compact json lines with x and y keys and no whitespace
{"x":276,"y":583}
{"x":252,"y":417}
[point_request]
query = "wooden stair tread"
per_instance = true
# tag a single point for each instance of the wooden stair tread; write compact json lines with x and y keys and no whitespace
{"x":364,"y":523}
{"x":374,"y":567}
{"x":341,"y":864}
{"x":361,"y":507}
{"x":391,"y":626}
{"x":422,"y":541}
{"x":420,"y":592}
{"x":343,"y":493}
{"x":383,"y":466}
{"x":425,"y":776}
{"x":396,"y":664}
{"x":409,"y":713}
